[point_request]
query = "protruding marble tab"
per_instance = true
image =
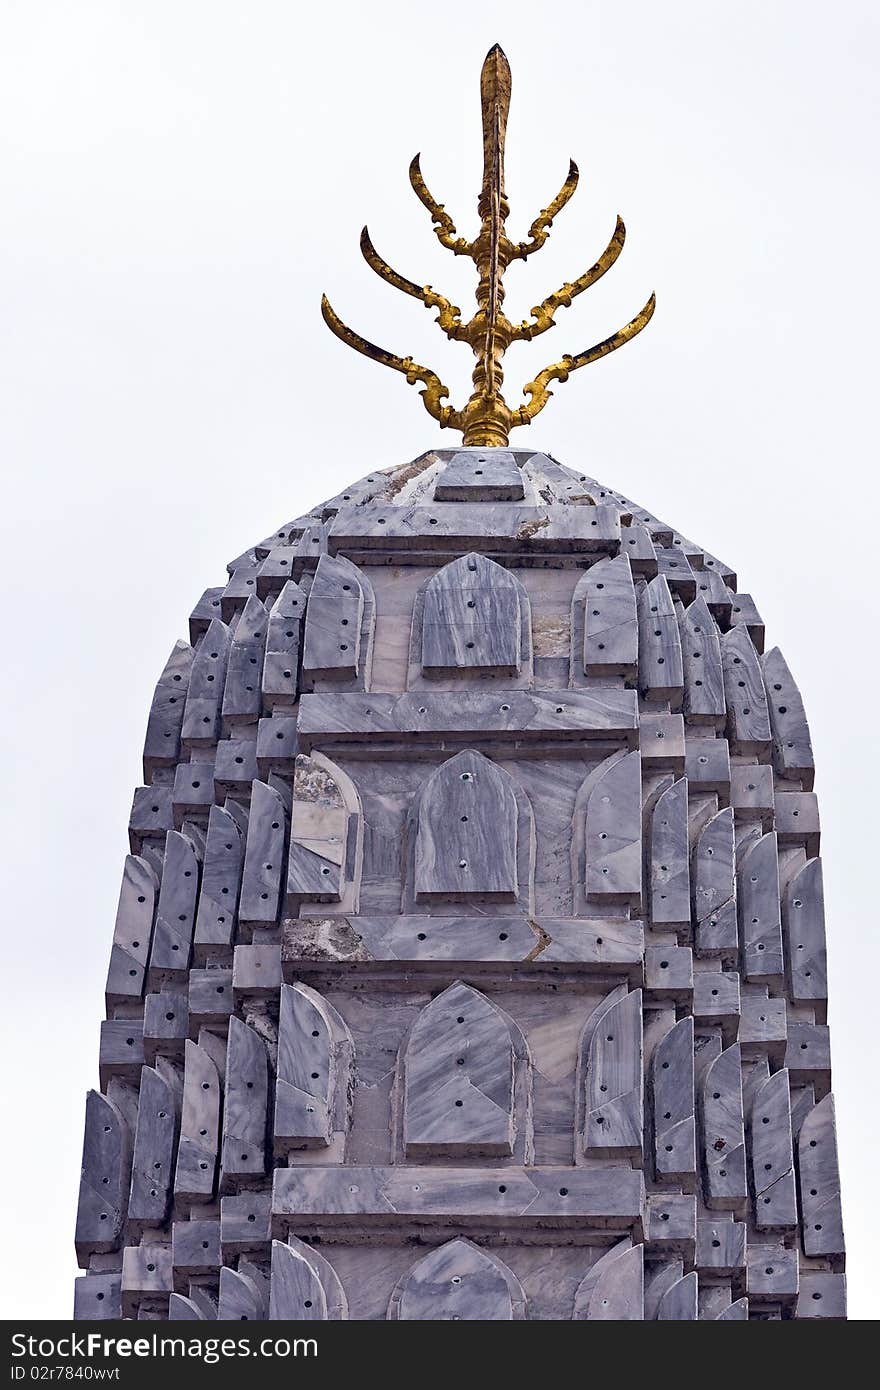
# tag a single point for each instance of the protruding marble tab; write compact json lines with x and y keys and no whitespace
{"x":670,"y":861}
{"x":661,"y":674}
{"x":611,"y":1052}
{"x":201,"y":718}
{"x":242,"y":586}
{"x":771,"y":1275}
{"x":714,"y":887}
{"x":98,"y":1297}
{"x":613,"y":833}
{"x":195,"y":1250}
{"x":199,"y":1127}
{"x":604,"y":612}
{"x":152,"y":1171}
{"x":275,"y":571}
{"x":283,"y":641}
{"x":263,"y":871}
{"x":672,"y":1090}
{"x":803,"y":918}
{"x":819,"y":1182}
{"x":221,"y":879}
{"x":204,"y":613}
{"x":458,"y":1282}
{"x":242,"y":1297}
{"x":332,"y":637}
{"x":707,"y":766}
{"x":244,"y":1107}
{"x":324,"y":833}
{"x":792,"y":748}
{"x":751,"y":793}
{"x":480,"y":475}
{"x":748,"y":722}
{"x":103,"y":1188}
{"x":721,"y":1246}
{"x":304,"y":1286}
{"x":176,"y":912}
{"x":613,"y":1289}
{"x":133,"y":932}
{"x":637,"y":546}
{"x":242,"y":692}
{"x":760,"y":914}
{"x":315,"y":1054}
{"x":745,"y":614}
{"x":701,"y":661}
{"x":772,"y":1164}
{"x":162,"y":743}
{"x":723,"y":1138}
{"x":821,"y":1295}
{"x":679,"y":1303}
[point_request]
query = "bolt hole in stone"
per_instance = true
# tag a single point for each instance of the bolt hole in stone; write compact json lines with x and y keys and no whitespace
{"x":459,"y":1103}
{"x":421,"y":936}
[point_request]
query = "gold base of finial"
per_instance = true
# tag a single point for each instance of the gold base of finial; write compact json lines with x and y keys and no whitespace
{"x":486,"y":420}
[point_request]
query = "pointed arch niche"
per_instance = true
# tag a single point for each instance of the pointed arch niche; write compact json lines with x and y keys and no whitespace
{"x":471,"y":619}
{"x":458,"y":1282}
{"x":470,"y":837}
{"x":464,"y":1082}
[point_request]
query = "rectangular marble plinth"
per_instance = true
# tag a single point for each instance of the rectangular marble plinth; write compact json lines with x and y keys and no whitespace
{"x":545,"y":1198}
{"x":526,"y":716}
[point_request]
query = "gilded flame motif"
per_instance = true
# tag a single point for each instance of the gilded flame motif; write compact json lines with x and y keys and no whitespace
{"x":487,"y":419}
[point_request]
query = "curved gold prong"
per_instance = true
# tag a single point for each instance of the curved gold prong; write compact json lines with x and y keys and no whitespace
{"x":444,"y":227}
{"x":449,"y":316}
{"x":543,"y":313}
{"x":434,"y":390}
{"x":540,"y":228}
{"x":560,"y":371}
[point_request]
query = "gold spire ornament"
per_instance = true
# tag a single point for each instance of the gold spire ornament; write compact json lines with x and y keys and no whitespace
{"x":487,"y":419}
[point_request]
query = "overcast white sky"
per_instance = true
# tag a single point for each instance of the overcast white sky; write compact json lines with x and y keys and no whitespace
{"x":181,"y":179}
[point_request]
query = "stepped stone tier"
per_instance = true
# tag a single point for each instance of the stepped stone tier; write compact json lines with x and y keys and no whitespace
{"x":469,"y":960}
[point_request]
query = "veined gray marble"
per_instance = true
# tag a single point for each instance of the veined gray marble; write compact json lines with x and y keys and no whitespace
{"x":469,"y":960}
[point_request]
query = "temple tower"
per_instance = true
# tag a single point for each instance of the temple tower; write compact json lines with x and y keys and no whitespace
{"x":469,"y":960}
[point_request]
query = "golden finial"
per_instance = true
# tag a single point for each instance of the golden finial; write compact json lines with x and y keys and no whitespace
{"x":487,"y":419}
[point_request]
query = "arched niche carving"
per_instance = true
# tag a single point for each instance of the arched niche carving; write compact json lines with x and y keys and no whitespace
{"x":471,"y":619}
{"x":326,"y":836}
{"x":304,"y":1286}
{"x":604,"y":622}
{"x":610,"y":1087}
{"x":464,"y":1082}
{"x":313,"y":1084}
{"x":606,"y":841}
{"x":613,"y":1289}
{"x":458,"y":1282}
{"x":339,"y":625}
{"x":472,"y":834}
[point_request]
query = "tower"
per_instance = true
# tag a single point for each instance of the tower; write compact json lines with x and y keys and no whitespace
{"x":469,"y":960}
